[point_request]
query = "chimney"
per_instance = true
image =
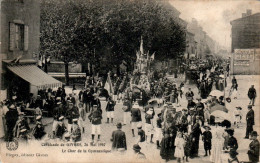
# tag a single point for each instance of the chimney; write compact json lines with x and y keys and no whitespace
{"x":244,"y":15}
{"x":248,"y":12}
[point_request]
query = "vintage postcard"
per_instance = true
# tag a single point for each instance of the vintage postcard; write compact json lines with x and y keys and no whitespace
{"x":129,"y":81}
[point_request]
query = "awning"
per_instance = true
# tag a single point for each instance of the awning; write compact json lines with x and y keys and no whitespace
{"x":35,"y":76}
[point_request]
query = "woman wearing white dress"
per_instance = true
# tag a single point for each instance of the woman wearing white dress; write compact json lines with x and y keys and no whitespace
{"x":179,"y":149}
{"x":217,"y":146}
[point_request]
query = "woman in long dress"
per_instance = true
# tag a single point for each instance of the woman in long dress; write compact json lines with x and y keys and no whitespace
{"x":217,"y":146}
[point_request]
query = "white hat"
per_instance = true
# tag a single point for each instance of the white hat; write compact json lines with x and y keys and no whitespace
{"x":38,"y":117}
{"x":75,"y":120}
{"x":12,"y":106}
{"x":21,"y":113}
{"x":58,"y":103}
{"x":61,"y":118}
{"x":23,"y":130}
{"x":58,"y":98}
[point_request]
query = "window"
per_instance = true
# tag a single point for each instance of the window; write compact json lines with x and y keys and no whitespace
{"x":18,"y":37}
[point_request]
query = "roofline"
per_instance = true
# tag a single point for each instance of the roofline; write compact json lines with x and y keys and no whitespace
{"x":245,"y":17}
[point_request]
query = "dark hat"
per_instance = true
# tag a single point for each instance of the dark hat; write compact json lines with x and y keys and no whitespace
{"x":119,"y":125}
{"x":238,"y":107}
{"x":136,"y":147}
{"x":254,"y":133}
{"x":249,"y":106}
{"x":228,"y":99}
{"x":229,"y":130}
{"x":159,"y":114}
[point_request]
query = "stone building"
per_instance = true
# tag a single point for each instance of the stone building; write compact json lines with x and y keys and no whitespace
{"x":245,"y":46}
{"x":20,"y":41}
{"x":246,"y":31}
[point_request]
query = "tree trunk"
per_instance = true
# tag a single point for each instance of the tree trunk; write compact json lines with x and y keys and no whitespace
{"x":45,"y":65}
{"x":66,"y":73}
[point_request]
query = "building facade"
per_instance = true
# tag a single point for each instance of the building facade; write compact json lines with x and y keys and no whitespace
{"x":245,"y":45}
{"x":20,"y":41}
{"x":245,"y":32}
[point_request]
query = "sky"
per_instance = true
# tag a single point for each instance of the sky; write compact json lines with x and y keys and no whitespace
{"x":215,"y":16}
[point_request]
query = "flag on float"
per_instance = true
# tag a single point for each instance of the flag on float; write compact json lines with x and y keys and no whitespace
{"x":108,"y":85}
{"x":152,"y":57}
{"x":141,"y":46}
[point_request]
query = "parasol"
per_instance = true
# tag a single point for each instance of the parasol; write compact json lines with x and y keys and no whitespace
{"x":220,"y":115}
{"x":218,"y":107}
{"x":216,"y":93}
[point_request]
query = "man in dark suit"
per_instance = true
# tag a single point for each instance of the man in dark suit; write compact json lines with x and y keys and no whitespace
{"x":253,"y":152}
{"x":11,"y":118}
{"x":119,"y":139}
{"x":252,"y":95}
{"x":250,"y":121}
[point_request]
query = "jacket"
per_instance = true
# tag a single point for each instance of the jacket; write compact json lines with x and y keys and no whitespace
{"x":95,"y":117}
{"x":253,"y":152}
{"x":250,"y":118}
{"x":118,"y":139}
{"x":136,"y":115}
{"x":110,"y":106}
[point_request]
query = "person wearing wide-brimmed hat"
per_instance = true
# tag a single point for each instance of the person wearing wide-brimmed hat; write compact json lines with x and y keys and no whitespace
{"x":250,"y":121}
{"x":232,"y":141}
{"x":206,"y":138}
{"x":253,"y":152}
{"x":11,"y":118}
{"x":119,"y":139}
{"x":137,"y":152}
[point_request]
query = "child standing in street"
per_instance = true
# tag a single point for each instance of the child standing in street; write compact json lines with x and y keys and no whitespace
{"x":206,"y":137}
{"x":179,"y":149}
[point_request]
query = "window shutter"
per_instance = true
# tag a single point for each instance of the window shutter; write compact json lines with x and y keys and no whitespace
{"x":26,"y":39}
{"x":11,"y":36}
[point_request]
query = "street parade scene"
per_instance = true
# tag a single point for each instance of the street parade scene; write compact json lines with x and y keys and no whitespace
{"x":104,"y":76}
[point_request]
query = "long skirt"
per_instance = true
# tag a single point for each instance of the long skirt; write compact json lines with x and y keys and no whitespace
{"x":167,"y":148}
